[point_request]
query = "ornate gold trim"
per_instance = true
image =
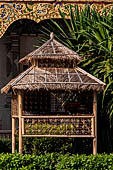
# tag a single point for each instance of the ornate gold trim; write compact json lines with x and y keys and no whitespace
{"x":72,"y":1}
{"x":10,"y":12}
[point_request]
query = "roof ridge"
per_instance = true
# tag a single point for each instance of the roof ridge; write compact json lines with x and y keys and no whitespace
{"x":22,"y":75}
{"x":54,"y":79}
{"x":65,"y":47}
{"x":90,"y":76}
{"x":36,"y":50}
{"x":57,"y":49}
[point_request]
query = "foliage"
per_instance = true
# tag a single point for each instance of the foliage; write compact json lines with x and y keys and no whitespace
{"x":70,"y":162}
{"x":27,"y":162}
{"x":55,"y":161}
{"x":91,"y":35}
{"x":44,"y":145}
{"x":39,"y":146}
{"x":59,"y":145}
{"x":5,"y":145}
{"x":55,"y":130}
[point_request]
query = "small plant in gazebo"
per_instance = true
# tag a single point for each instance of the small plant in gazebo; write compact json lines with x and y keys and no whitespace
{"x":54,"y":97}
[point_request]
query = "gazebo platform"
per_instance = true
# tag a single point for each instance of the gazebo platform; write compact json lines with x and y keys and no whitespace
{"x":54,"y":97}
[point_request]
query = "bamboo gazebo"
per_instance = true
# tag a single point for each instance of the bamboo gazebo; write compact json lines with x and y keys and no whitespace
{"x":54,"y":97}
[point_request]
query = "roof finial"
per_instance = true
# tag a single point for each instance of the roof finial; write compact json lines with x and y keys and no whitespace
{"x":51,"y":35}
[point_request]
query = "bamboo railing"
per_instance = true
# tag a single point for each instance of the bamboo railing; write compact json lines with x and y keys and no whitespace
{"x":58,"y":126}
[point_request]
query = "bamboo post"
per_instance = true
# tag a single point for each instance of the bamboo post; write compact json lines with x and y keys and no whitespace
{"x":22,"y":126}
{"x":95,"y":124}
{"x":20,"y":120}
{"x":13,"y":134}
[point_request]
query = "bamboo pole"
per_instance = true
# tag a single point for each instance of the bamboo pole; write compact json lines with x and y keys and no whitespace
{"x":13,"y":134}
{"x":95,"y":124}
{"x":22,"y":126}
{"x":20,"y":120}
{"x":59,"y":116}
{"x":70,"y":136}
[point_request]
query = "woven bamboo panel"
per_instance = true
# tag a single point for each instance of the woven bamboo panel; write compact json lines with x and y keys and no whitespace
{"x":36,"y":102}
{"x":58,"y":126}
{"x":57,"y":102}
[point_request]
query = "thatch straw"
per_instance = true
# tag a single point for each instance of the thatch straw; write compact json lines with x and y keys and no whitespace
{"x":52,"y":49}
{"x":54,"y":79}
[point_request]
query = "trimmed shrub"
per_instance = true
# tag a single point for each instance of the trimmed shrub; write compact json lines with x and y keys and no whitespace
{"x":83,"y":162}
{"x":55,"y":161}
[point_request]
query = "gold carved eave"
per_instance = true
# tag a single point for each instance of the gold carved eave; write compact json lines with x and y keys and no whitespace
{"x":72,"y":1}
{"x":11,"y":10}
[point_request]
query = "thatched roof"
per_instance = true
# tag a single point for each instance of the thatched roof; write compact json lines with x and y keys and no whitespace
{"x":52,"y":49}
{"x":54,"y":79}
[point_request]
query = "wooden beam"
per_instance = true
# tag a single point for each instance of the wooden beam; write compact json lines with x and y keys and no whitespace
{"x":5,"y":131}
{"x":14,"y":116}
{"x":56,"y":75}
{"x":90,"y":76}
{"x":54,"y":52}
{"x":69,"y":76}
{"x":22,"y":126}
{"x":78,"y":76}
{"x":13,"y":134}
{"x":59,"y":82}
{"x":21,"y":76}
{"x":20,"y":120}
{"x":95,"y":124}
{"x":69,"y":136}
{"x":60,"y":116}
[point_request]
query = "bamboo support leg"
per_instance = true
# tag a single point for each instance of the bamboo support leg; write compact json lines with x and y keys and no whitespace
{"x":22,"y":126}
{"x":13,"y":134}
{"x":95,"y":124}
{"x":20,"y":136}
{"x":94,"y":146}
{"x":20,"y":120}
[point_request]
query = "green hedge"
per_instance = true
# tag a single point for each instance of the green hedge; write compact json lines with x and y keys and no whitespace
{"x":55,"y":161}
